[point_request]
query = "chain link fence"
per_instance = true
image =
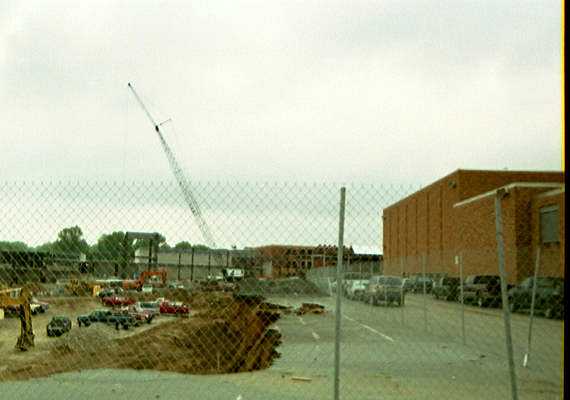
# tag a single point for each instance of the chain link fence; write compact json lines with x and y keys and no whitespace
{"x":107,"y":290}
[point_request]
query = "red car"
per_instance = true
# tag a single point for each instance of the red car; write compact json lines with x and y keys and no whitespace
{"x":117,"y":301}
{"x":174,"y":307}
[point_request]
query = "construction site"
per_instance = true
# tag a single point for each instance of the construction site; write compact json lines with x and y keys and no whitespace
{"x":289,"y":313}
{"x":214,"y":323}
{"x":227,"y":331}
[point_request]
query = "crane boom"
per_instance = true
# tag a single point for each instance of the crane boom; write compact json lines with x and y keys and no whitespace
{"x":181,"y":179}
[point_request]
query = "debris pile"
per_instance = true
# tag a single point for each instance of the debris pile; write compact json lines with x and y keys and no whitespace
{"x":234,"y":337}
{"x":310,"y":308}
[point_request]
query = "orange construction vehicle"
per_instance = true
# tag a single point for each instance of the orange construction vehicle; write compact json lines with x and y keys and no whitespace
{"x":156,"y":278}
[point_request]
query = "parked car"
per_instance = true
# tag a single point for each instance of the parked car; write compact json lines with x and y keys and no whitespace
{"x":446,"y":288}
{"x":356,"y":288}
{"x":384,"y":288}
{"x":416,"y":284}
{"x":483,"y":290}
{"x":117,"y":301}
{"x":174,"y":307}
{"x":94,"y":316}
{"x":549,"y":297}
{"x":141,"y":313}
{"x":175,"y":285}
{"x":147,"y":288}
{"x":35,"y":308}
{"x":58,"y":326}
{"x":151,"y":307}
{"x":125,"y":320}
{"x":108,"y":292}
{"x":41,"y":306}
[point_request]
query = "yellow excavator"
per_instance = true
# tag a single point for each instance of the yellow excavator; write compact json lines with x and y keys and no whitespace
{"x":22,"y":305}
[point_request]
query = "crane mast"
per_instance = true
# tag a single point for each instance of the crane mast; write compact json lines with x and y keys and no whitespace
{"x":181,"y":179}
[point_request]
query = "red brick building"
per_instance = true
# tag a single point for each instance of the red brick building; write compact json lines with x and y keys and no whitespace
{"x":455,"y":216}
{"x":281,"y":261}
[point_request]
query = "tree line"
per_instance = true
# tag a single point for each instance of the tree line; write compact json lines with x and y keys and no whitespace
{"x":109,"y":246}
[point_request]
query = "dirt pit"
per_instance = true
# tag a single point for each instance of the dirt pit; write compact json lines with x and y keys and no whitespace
{"x":231,"y":336}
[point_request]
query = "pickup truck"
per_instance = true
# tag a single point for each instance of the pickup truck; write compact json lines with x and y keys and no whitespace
{"x":37,"y":306}
{"x":142,"y":314}
{"x":94,"y":316}
{"x":549,"y":297}
{"x":483,"y":290}
{"x":124,"y":320}
{"x":174,"y":307}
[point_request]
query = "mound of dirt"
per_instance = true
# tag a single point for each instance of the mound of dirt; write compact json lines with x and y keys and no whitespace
{"x":234,"y":337}
{"x":80,"y":340}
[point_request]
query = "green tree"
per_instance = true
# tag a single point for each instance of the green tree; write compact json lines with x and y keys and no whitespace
{"x":14,"y":246}
{"x":70,"y":240}
{"x":110,"y":246}
{"x":184,"y":245}
{"x":45,"y":247}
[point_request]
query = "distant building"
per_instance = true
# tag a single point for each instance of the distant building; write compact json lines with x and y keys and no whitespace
{"x":455,"y":216}
{"x":280,"y":261}
{"x":197,"y":263}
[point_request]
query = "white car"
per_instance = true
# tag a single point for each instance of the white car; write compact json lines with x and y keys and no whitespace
{"x":356,"y":288}
{"x":151,"y":307}
{"x":147,"y":288}
{"x":175,"y":285}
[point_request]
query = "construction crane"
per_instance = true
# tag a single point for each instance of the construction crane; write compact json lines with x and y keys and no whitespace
{"x":181,"y":179}
{"x":21,"y":303}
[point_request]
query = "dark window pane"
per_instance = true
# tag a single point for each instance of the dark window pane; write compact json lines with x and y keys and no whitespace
{"x":549,"y":224}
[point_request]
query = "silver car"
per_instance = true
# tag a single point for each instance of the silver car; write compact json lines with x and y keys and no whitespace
{"x":385,"y":288}
{"x":356,"y":288}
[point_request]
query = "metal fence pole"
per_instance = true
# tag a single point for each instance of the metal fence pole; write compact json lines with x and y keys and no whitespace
{"x":461,"y":297}
{"x":424,"y":260}
{"x":179,"y":262}
{"x":402,"y":292}
{"x":338,"y":315}
{"x":506,"y":312}
{"x":532,"y":301}
{"x":192,"y":266}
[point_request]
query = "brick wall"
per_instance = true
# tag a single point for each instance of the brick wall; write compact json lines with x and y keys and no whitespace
{"x":476,"y":237}
{"x":552,"y":261}
{"x":426,"y":223}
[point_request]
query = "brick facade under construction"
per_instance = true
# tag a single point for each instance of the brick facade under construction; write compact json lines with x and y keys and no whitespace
{"x":455,"y":216}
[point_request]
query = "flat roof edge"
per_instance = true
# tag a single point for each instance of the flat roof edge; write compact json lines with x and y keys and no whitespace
{"x":551,"y":193}
{"x":510,"y":186}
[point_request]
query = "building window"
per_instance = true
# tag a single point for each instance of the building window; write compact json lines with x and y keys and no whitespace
{"x":549,"y":224}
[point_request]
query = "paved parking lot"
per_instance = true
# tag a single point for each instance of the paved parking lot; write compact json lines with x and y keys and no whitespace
{"x":414,"y":352}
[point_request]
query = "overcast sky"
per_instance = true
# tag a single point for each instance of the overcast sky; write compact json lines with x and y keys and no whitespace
{"x":378,"y":91}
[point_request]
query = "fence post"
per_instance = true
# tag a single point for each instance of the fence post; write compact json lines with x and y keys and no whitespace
{"x":179,"y":262}
{"x":338,"y":315}
{"x":402,"y":292}
{"x":424,"y":290}
{"x":192,"y":266}
{"x":532,"y":301}
{"x":460,"y":261}
{"x":506,"y":312}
